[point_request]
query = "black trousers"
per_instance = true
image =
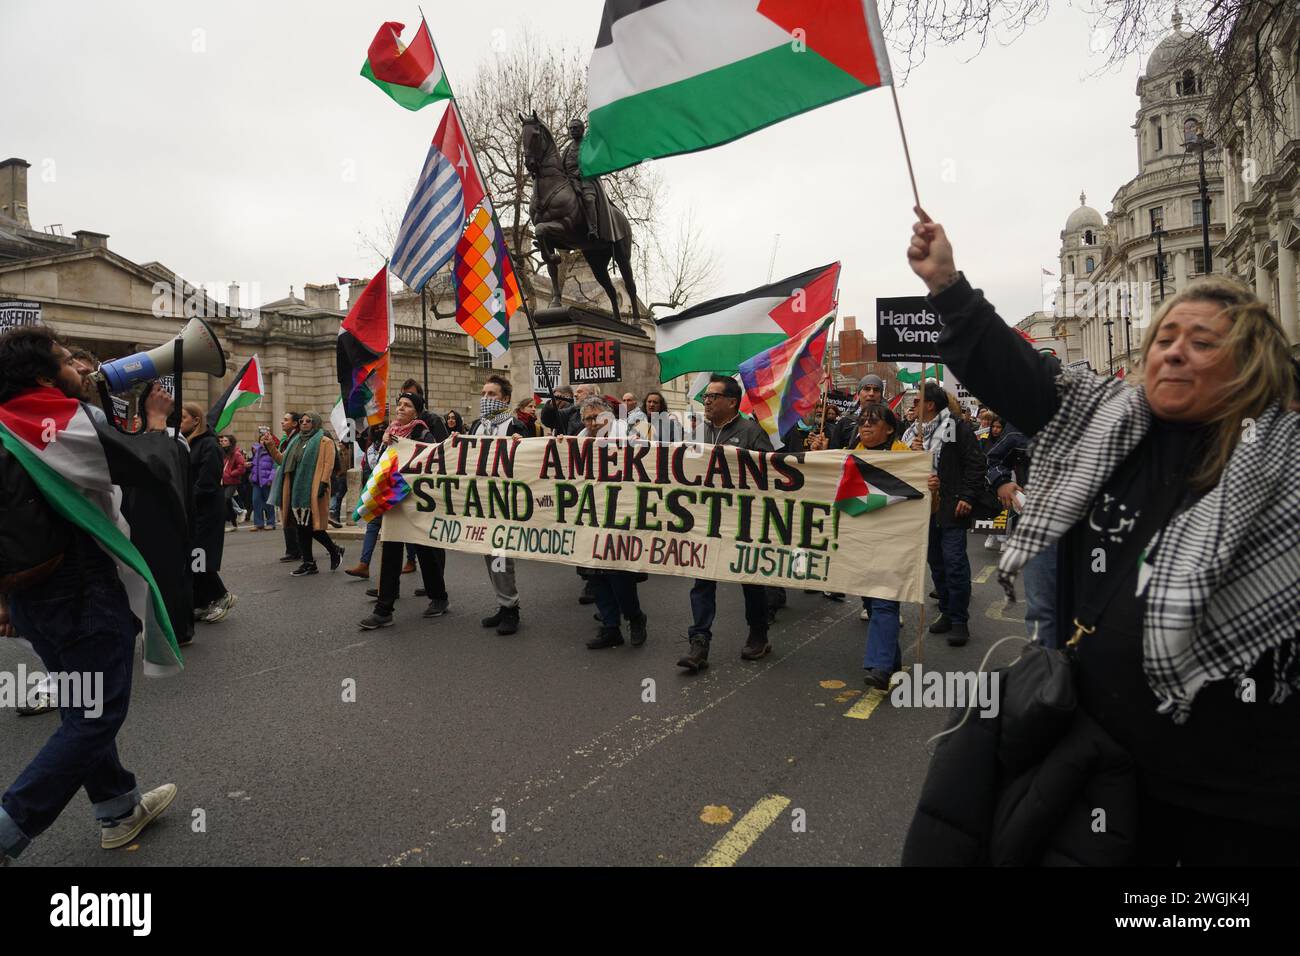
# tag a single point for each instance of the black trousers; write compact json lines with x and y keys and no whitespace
{"x":291,"y":546}
{"x":208,"y":587}
{"x":433,"y":563}
{"x":305,"y":536}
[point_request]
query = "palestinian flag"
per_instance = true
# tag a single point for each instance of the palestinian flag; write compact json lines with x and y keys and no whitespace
{"x":865,"y":487}
{"x":911,"y":376}
{"x":676,"y":76}
{"x":362,"y":352}
{"x":718,"y":335}
{"x":411,"y":75}
{"x":54,"y":438}
{"x":385,"y":489}
{"x":246,"y":389}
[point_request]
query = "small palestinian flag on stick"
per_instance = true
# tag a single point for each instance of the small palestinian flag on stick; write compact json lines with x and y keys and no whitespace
{"x":865,"y":487}
{"x":246,"y":389}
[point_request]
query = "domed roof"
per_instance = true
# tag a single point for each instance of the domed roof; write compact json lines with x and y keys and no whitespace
{"x":1084,"y":217}
{"x":1179,"y":49}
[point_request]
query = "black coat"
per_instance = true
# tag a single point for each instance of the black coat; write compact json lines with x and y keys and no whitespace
{"x":209,"y":500}
{"x":565,"y":421}
{"x":961,"y":475}
{"x":1022,"y":788}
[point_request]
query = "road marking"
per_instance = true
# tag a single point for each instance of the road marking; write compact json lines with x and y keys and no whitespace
{"x":737,"y":840}
{"x":867,"y":705}
{"x":994,"y":613}
{"x":985,"y":574}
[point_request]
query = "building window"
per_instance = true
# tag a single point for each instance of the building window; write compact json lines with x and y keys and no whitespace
{"x":1198,"y":261}
{"x":1088,"y":238}
{"x":482,"y":357}
{"x":1157,"y":218}
{"x":1089,"y":264}
{"x":1196,"y":211}
{"x":1159,"y":134}
{"x":1188,"y":85}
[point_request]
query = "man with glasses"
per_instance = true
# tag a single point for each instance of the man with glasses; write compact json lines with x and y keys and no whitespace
{"x":723,"y":425}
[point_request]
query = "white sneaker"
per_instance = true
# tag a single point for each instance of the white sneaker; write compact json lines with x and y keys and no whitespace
{"x":146,"y":811}
{"x":865,"y":615}
{"x":221,"y":608}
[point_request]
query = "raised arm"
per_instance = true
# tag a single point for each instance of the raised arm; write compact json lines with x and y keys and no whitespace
{"x":996,"y":364}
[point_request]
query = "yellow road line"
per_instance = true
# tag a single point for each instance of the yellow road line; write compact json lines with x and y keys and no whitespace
{"x":748,"y":828}
{"x":985,"y":573}
{"x":869,"y":702}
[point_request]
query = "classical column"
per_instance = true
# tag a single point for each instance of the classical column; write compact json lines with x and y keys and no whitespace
{"x":1263,"y":281}
{"x":279,"y":381}
{"x":1180,"y":271}
{"x":1286,"y":293}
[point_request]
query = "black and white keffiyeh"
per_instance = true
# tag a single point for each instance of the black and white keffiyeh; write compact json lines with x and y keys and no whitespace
{"x":1223,"y":588}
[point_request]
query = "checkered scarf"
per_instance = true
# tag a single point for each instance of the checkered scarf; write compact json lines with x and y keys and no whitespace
{"x":1224,"y":586}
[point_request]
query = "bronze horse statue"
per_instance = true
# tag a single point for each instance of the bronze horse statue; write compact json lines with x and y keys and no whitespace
{"x":560,"y":222}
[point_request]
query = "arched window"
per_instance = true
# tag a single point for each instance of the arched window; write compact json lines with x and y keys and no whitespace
{"x":1189,"y":85}
{"x":1089,"y":264}
{"x":1087,"y":238}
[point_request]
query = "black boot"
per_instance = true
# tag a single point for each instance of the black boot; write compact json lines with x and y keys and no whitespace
{"x":608,"y":637}
{"x":493,"y":620}
{"x":942,"y":625}
{"x":509,"y":620}
{"x":697,"y":658}
{"x":588,"y":596}
{"x":637,"y":628}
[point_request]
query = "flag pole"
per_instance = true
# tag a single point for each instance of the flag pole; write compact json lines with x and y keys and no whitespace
{"x":920,"y":637}
{"x":424,"y":336}
{"x":523,"y":292}
{"x":907,"y":155}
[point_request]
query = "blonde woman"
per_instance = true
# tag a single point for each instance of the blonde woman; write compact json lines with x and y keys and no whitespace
{"x":1173,"y":506}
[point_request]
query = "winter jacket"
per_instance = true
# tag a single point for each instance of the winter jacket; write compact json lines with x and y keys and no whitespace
{"x":206,"y":465}
{"x":1023,"y":787}
{"x":961,"y":475}
{"x":233,"y":468}
{"x":263,"y":469}
{"x":1008,"y":458}
{"x":564,"y":421}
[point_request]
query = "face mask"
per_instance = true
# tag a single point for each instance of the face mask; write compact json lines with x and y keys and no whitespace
{"x":491,"y":407}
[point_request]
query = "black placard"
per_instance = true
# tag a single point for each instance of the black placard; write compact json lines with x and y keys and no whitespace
{"x":595,"y":361}
{"x":907,"y":329}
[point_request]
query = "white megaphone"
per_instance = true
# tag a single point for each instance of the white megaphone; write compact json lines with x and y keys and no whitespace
{"x":201,"y":352}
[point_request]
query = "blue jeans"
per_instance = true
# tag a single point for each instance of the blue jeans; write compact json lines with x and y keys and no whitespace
{"x":79,"y":622}
{"x":372,"y":536}
{"x":704,"y":607}
{"x":263,"y":510}
{"x":1040,"y":597}
{"x":950,"y":569}
{"x":882,"y":636}
{"x":616,"y":595}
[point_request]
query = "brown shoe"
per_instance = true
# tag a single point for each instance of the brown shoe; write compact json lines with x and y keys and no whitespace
{"x":360,"y":571}
{"x":408,"y":567}
{"x":756,"y":648}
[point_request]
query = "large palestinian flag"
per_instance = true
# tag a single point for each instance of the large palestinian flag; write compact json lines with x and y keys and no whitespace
{"x":56,"y":441}
{"x":362,"y":352}
{"x":718,"y":335}
{"x":246,"y":389}
{"x":411,"y":75}
{"x":675,"y":76}
{"x":865,"y":487}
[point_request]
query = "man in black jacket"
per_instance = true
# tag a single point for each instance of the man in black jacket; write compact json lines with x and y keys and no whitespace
{"x":724,"y":425}
{"x":563,"y":413}
{"x":958,"y":481}
{"x":844,"y":434}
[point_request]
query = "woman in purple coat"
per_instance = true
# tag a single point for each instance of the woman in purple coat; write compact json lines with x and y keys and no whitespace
{"x":261,"y":474}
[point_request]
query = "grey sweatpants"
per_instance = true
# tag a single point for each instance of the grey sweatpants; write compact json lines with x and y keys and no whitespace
{"x":503,"y":582}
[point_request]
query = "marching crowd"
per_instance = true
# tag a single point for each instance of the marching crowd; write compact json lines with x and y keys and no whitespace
{"x":1149,"y":532}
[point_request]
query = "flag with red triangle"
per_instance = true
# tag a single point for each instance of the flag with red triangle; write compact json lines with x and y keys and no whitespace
{"x":362,"y":352}
{"x":864,"y":487}
{"x":246,"y":389}
{"x":412,"y":75}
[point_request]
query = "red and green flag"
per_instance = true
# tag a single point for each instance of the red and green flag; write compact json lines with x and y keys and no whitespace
{"x":865,"y":487}
{"x":412,"y":75}
{"x":246,"y":389}
{"x":362,"y":352}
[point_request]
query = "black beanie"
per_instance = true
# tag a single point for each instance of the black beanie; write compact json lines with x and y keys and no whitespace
{"x":415,"y":398}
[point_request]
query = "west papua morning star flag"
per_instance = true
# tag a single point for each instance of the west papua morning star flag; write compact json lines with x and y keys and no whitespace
{"x":67,"y":455}
{"x":676,"y":76}
{"x":448,"y":189}
{"x":716,"y":336}
{"x":362,"y":352}
{"x":864,"y":487}
{"x":411,"y":75}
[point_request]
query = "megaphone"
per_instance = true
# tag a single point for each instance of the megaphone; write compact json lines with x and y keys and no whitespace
{"x":201,"y":352}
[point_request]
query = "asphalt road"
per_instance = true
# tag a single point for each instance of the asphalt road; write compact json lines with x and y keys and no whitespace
{"x":464,"y":747}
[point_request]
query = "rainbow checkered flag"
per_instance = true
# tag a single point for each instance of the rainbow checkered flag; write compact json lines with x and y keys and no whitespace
{"x":487,"y":292}
{"x":865,"y":487}
{"x":782,"y":383}
{"x":385,"y":489}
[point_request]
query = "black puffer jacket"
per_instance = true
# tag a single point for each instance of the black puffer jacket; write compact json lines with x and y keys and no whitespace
{"x":1040,"y":784}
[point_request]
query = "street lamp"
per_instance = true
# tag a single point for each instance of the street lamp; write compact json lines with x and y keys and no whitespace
{"x":1110,"y":345}
{"x":1158,"y":233}
{"x":1194,"y":141}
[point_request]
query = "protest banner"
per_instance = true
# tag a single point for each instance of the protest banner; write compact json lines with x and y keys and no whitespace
{"x":826,"y":520}
{"x":546,"y":377}
{"x":907,"y":329}
{"x":16,"y":312}
{"x":595,"y":361}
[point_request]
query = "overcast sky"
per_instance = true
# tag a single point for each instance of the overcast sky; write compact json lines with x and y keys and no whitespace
{"x":236,"y":141}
